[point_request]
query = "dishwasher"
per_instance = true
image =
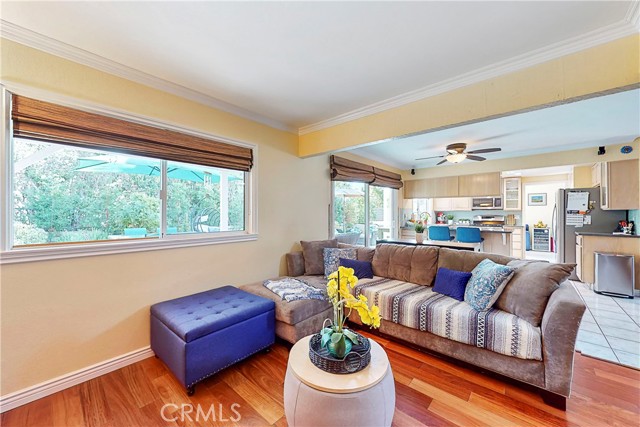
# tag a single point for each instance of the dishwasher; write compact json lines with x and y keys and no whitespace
{"x":614,"y":274}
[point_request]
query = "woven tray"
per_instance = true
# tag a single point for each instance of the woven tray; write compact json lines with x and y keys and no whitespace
{"x":357,"y":359}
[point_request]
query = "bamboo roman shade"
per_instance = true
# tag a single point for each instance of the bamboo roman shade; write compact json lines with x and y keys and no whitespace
{"x":43,"y":121}
{"x":347,"y":170}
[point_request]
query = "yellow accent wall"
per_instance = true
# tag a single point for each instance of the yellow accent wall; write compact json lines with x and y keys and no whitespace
{"x":64,"y":315}
{"x":601,"y":68}
{"x":582,"y":176}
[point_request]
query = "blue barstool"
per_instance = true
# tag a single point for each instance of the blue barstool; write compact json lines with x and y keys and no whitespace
{"x":469,"y":235}
{"x":439,"y":232}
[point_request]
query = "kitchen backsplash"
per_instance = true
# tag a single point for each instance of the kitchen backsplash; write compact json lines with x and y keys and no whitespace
{"x":458,"y":215}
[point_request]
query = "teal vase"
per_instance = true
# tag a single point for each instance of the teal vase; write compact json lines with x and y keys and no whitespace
{"x":340,"y":349}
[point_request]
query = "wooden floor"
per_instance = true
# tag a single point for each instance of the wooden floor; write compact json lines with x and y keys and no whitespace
{"x":429,"y":391}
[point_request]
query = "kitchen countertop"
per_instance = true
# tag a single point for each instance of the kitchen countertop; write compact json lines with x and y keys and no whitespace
{"x":591,"y":233}
{"x":482,"y":229}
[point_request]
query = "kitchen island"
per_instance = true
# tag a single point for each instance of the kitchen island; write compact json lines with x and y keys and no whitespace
{"x":505,"y":240}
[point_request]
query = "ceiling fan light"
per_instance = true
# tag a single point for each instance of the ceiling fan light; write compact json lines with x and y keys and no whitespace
{"x":456,"y":158}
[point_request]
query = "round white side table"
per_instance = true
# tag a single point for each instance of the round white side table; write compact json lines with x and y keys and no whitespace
{"x":313,"y":397}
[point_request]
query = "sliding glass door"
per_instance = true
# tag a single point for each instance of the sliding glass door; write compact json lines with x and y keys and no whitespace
{"x":363,"y":214}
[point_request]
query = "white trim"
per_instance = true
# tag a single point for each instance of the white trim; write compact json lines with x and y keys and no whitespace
{"x":38,"y":391}
{"x":10,"y":255}
{"x":108,"y":247}
{"x":46,"y":44}
{"x":627,"y":26}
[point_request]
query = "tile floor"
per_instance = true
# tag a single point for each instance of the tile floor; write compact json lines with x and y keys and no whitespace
{"x":610,"y":328}
{"x":543,"y":256}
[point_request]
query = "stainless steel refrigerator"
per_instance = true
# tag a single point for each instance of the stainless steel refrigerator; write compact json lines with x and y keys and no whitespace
{"x":564,"y":236}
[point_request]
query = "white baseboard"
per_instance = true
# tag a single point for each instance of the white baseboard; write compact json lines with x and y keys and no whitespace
{"x":38,"y":391}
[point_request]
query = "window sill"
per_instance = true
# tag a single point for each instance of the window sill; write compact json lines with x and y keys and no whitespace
{"x":30,"y":254}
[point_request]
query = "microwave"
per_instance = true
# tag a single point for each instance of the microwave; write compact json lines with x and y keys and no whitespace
{"x":486,"y":203}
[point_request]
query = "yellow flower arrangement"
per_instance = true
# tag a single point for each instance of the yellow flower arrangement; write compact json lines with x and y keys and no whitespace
{"x":336,"y":338}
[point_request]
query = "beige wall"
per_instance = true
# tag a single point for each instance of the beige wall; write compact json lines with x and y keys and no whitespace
{"x":601,"y":68}
{"x":63,"y":315}
{"x":582,"y":176}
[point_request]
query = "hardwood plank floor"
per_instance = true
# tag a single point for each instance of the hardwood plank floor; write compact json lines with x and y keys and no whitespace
{"x":429,"y":392}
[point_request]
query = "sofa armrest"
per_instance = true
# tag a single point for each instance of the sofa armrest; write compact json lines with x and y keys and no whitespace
{"x":560,"y":324}
{"x":295,"y":264}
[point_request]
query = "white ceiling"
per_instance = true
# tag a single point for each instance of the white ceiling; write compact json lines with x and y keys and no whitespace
{"x":296,"y":64}
{"x":605,"y":120}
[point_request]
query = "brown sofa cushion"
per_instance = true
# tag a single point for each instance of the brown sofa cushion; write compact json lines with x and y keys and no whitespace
{"x":424,"y":263}
{"x":314,"y":256}
{"x":466,"y":261}
{"x":364,"y":253}
{"x":393,"y":261}
{"x":528,"y":292}
{"x":295,"y":264}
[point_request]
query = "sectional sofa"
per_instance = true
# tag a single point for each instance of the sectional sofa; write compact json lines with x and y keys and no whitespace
{"x":529,"y":335}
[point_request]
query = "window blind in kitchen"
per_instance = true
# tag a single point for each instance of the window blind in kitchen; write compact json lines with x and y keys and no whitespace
{"x":39,"y":120}
{"x":348,"y":170}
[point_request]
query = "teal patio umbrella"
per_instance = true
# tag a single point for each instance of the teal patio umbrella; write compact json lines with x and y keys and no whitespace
{"x":139,"y":166}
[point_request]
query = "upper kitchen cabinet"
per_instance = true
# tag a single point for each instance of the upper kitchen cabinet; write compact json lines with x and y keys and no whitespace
{"x":452,"y":204}
{"x":478,"y":185}
{"x":431,"y":187}
{"x":619,"y":186}
{"x":512,"y":198}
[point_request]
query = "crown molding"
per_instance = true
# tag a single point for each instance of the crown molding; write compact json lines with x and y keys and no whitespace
{"x":46,"y":44}
{"x":627,"y":26}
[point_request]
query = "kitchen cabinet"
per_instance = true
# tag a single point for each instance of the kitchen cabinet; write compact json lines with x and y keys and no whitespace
{"x":431,"y":187}
{"x":496,"y":243}
{"x":512,"y":198}
{"x":446,"y":204}
{"x":619,"y":185}
{"x":587,"y":245}
{"x":517,"y":241}
{"x":579,"y":258}
{"x":479,"y":185}
{"x":596,"y":174}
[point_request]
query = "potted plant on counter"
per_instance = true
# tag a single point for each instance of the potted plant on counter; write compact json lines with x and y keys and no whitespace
{"x":419,"y":232}
{"x":450,"y":219}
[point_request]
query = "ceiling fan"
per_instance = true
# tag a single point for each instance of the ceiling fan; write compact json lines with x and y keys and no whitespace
{"x":456,"y":153}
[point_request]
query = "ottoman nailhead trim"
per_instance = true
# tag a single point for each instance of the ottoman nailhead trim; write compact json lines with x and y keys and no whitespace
{"x":226,"y":366}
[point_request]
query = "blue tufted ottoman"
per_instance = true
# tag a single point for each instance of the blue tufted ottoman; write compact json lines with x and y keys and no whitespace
{"x":201,"y":334}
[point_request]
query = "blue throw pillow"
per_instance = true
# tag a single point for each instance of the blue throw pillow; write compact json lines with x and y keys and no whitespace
{"x":451,"y":283}
{"x":332,"y":258}
{"x":487,"y":282}
{"x":361,"y":269}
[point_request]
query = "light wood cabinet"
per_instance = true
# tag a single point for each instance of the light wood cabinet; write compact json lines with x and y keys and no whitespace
{"x":452,"y":204}
{"x":620,"y":187}
{"x":517,"y":241}
{"x":579,"y":258}
{"x":496,"y":243}
{"x":588,"y":245}
{"x":479,"y":185}
{"x":596,"y":174}
{"x":431,"y":187}
{"x":407,"y":233}
{"x":512,"y":198}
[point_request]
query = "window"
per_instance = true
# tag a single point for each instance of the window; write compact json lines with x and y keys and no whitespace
{"x":364,"y":202}
{"x":68,"y":191}
{"x":363,"y":213}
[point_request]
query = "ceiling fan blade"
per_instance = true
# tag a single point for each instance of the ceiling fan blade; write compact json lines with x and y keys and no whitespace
{"x":441,"y":162}
{"x":484,"y":150}
{"x":476,"y":158}
{"x":432,"y":157}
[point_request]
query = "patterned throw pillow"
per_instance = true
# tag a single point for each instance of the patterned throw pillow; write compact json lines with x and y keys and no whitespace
{"x":487,"y":281}
{"x":332,"y":258}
